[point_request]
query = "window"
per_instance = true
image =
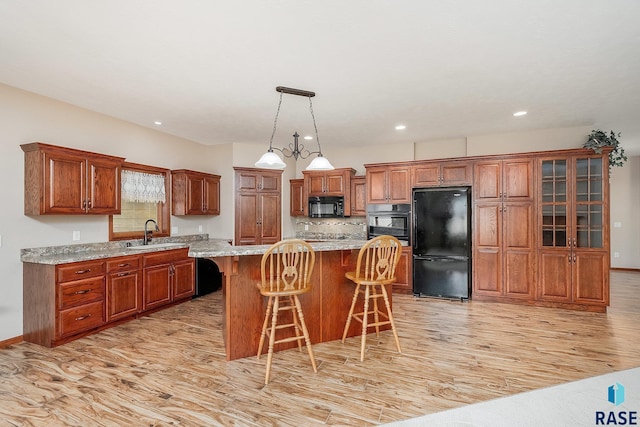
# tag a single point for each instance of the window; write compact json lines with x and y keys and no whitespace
{"x":142,"y":188}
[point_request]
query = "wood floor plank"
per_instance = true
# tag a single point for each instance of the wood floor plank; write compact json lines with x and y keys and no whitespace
{"x":169,"y":368}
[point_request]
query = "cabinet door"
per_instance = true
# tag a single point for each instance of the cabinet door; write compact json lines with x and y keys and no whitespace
{"x":403,"y":282}
{"x":517,"y":180}
{"x":183,"y":279}
{"x":591,"y":278}
{"x":212,"y":195}
{"x":518,"y":250}
{"x":123,"y":294}
{"x":358,"y":197}
{"x":195,"y":195}
{"x":555,"y":269}
{"x":399,"y":185}
{"x":270,"y":182}
{"x":156,"y":289}
{"x":455,"y":173}
{"x":247,"y":219}
{"x":377,"y":185}
{"x":426,"y":175}
{"x":64,"y":183}
{"x":297,"y":201}
{"x":487,"y":181}
{"x":269,"y":226}
{"x":487,"y":255}
{"x":104,"y":187}
{"x":316,"y":184}
{"x":335,"y":183}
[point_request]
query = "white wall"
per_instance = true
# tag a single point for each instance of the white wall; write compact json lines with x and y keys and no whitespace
{"x":625,"y":206}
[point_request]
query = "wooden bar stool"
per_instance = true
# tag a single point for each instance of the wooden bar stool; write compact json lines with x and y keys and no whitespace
{"x":375,"y":268}
{"x":286,"y":270}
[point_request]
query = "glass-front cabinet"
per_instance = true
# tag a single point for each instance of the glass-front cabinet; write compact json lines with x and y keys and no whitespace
{"x":573,"y":225}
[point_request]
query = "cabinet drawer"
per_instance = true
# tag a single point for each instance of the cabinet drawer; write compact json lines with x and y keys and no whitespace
{"x":80,"y":292}
{"x":79,"y":270}
{"x":81,"y":318}
{"x":123,"y":264}
{"x":165,"y":257}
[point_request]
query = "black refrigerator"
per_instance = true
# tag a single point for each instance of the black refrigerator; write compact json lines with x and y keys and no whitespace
{"x":442,"y":242}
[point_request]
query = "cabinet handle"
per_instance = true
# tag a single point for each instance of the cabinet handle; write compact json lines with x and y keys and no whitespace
{"x":124,"y":264}
{"x":569,"y":258}
{"x":84,"y":204}
{"x":84,"y":291}
{"x":89,"y":203}
{"x":123,"y":274}
{"x":83,"y":317}
{"x":575,"y":242}
{"x":574,"y":258}
{"x":83,"y":271}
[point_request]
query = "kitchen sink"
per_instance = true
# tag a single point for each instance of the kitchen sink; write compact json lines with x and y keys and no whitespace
{"x":159,"y":245}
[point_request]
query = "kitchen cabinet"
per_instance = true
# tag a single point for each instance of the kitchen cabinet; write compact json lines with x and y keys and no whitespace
{"x":358,"y":196}
{"x":61,"y":302}
{"x":258,"y":208}
{"x":124,"y":287}
{"x":437,"y":174}
{"x":61,"y":180}
{"x":404,"y":276}
{"x":573,"y":229}
{"x":194,"y":193}
{"x":503,"y":229}
{"x":297,"y":199}
{"x":168,"y":276}
{"x":335,"y":182}
{"x":388,"y":183}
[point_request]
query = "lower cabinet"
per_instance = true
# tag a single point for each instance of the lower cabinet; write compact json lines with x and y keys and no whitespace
{"x":404,"y":281}
{"x":68,"y":301}
{"x":168,"y":276}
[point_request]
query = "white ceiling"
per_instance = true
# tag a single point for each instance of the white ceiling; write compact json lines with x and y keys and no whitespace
{"x":446,"y":69}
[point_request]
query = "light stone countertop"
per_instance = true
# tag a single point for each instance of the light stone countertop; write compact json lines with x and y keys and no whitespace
{"x":198,"y":248}
{"x":210,"y":249}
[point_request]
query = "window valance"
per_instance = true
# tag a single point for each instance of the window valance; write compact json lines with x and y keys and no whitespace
{"x":143,"y":187}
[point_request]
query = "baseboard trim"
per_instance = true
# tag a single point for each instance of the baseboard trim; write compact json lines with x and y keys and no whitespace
{"x":624,"y":269}
{"x":10,"y":341}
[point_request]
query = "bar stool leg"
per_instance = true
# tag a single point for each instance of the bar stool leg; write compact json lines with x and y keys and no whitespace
{"x":365,"y":317}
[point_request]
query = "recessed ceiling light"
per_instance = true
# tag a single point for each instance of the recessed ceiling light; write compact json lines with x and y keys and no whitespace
{"x":157,"y":122}
{"x":308,"y":137}
{"x":519,"y":113}
{"x":400,"y":127}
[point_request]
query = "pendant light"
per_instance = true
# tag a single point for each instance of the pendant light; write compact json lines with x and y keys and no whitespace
{"x":271,"y":160}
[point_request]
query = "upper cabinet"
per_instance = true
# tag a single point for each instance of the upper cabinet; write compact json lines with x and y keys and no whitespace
{"x":388,"y":183}
{"x":60,"y":180}
{"x":358,"y":196}
{"x":435,"y":174}
{"x":194,"y":193}
{"x":335,"y":182}
{"x":298,"y":202}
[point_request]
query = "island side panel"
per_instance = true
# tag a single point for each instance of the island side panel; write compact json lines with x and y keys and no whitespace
{"x":337,"y":295}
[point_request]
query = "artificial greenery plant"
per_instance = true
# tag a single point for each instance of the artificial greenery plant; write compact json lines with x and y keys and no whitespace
{"x":599,"y":139}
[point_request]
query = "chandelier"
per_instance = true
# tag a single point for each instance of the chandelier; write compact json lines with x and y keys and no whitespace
{"x":271,"y":160}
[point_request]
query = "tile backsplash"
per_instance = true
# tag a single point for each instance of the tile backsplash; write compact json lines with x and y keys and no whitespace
{"x":352,"y":228}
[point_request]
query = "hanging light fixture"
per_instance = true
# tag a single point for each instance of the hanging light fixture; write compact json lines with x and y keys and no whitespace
{"x":271,"y":160}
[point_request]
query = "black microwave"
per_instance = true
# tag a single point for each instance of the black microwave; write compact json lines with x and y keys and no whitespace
{"x":326,"y":207}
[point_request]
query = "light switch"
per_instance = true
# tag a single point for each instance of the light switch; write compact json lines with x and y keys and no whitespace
{"x":617,"y":224}
{"x":199,"y":229}
{"x":76,"y":235}
{"x":174,"y":230}
{"x":0,"y":240}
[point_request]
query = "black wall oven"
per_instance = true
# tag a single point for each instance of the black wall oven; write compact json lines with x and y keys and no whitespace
{"x":394,"y":220}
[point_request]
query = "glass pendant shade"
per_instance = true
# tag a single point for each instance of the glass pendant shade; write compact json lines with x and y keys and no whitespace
{"x":270,"y":160}
{"x":320,"y":163}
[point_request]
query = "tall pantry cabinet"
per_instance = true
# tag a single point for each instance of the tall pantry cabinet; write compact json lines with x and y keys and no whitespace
{"x":258,"y":210}
{"x":503,"y":229}
{"x":574,"y":229}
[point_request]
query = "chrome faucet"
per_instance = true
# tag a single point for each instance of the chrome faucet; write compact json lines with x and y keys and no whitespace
{"x":147,"y":234}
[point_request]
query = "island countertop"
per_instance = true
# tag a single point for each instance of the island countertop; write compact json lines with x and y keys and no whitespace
{"x":218,"y":248}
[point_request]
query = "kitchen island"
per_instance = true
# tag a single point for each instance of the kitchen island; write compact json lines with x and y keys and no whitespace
{"x":325,"y":307}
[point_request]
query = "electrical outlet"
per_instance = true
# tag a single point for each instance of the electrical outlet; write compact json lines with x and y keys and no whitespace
{"x":306,"y":227}
{"x":199,"y":229}
{"x":76,"y":235}
{"x":616,"y":254}
{"x":174,"y":230}
{"x":0,"y":240}
{"x":617,"y":224}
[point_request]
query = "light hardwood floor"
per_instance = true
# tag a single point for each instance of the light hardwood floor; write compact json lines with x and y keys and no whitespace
{"x":169,"y":368}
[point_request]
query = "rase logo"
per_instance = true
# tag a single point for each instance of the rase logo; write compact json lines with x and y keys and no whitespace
{"x":615,"y":395}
